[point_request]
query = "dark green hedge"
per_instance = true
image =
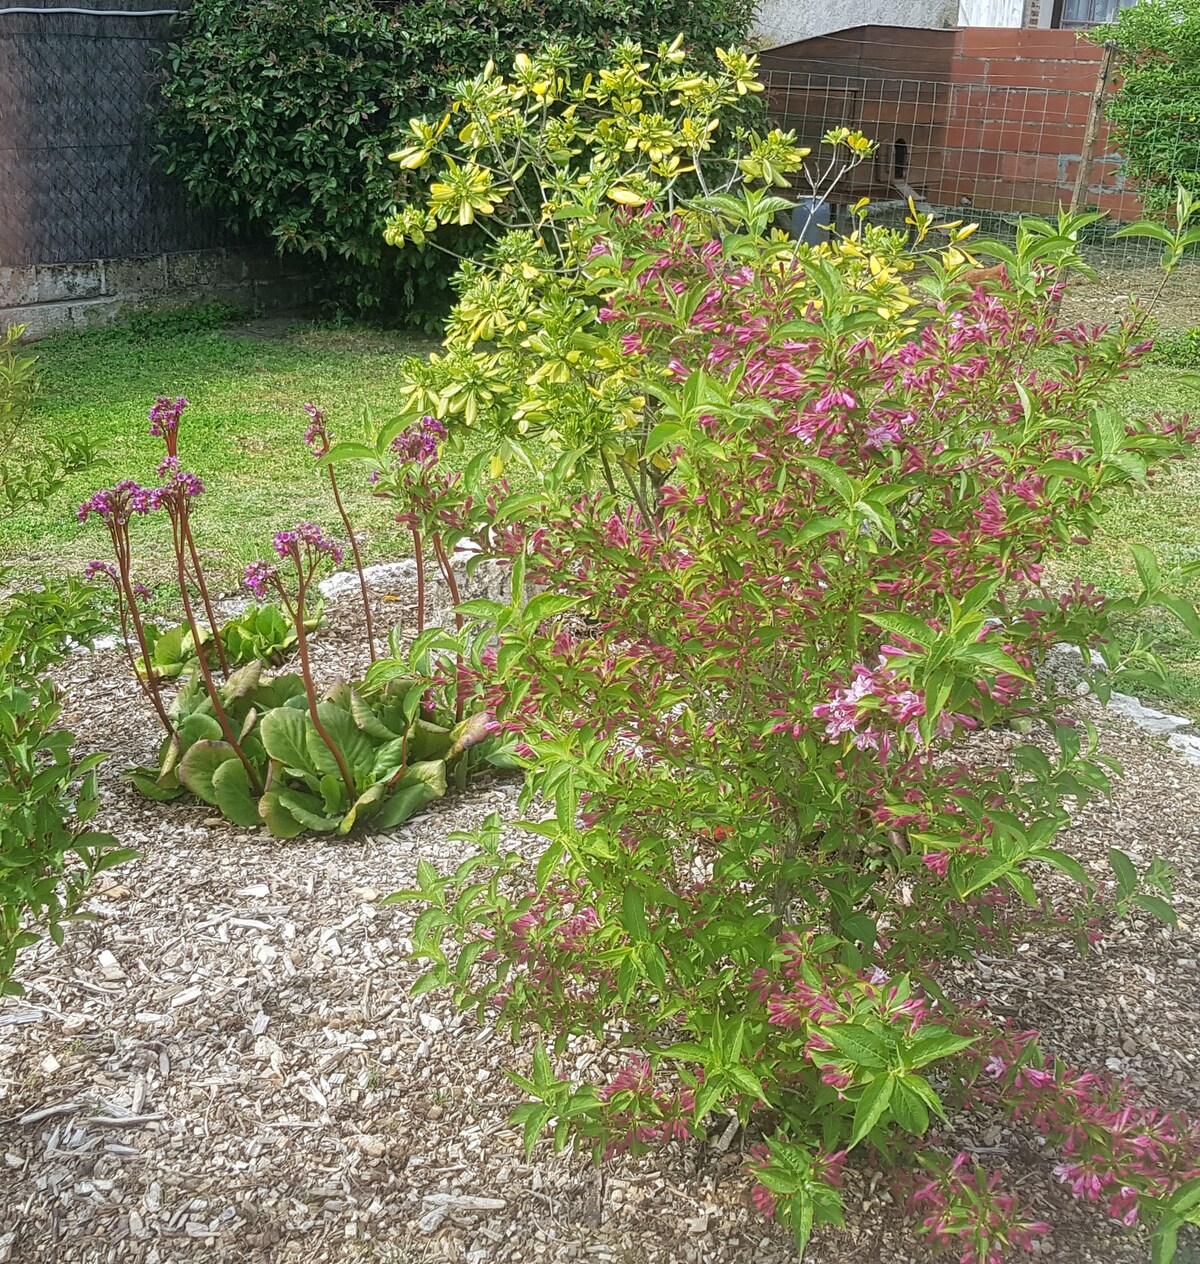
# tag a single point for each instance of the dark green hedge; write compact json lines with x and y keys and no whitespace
{"x":280,"y":114}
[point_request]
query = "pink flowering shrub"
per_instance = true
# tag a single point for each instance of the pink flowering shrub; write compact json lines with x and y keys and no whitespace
{"x":790,"y":566}
{"x":759,"y":685}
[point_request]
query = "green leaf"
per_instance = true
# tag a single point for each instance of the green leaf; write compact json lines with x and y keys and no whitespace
{"x":356,"y":748}
{"x":1183,"y":610}
{"x":535,"y":1121}
{"x":908,"y":1109}
{"x":931,"y":1043}
{"x":856,"y":1044}
{"x":146,"y":783}
{"x":242,"y":683}
{"x":904,"y":625}
{"x":419,"y":786}
{"x":368,"y":721}
{"x":231,"y":789}
{"x":833,"y":475}
{"x":1165,"y":1240}
{"x":871,"y":1106}
{"x":666,"y":432}
{"x":818,"y":526}
{"x":746,"y":1080}
{"x":390,"y":758}
{"x":1185,"y":1201}
{"x":1156,"y":907}
{"x":279,"y":821}
{"x":547,"y":605}
{"x":362,"y":806}
{"x":482,"y":608}
{"x":802,"y":1220}
{"x":199,"y":765}
{"x":283,"y":732}
{"x":168,"y":649}
{"x":1067,"y":864}
{"x":428,"y":741}
{"x":1147,"y":567}
{"x":306,"y":808}
{"x":633,"y":914}
{"x":348,"y":451}
{"x":1125,"y":873}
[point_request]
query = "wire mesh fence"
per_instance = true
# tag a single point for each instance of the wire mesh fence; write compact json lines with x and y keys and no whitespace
{"x":78,"y":179}
{"x":994,"y":153}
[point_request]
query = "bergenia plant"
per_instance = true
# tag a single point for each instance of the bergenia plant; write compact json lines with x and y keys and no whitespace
{"x":116,"y":507}
{"x":175,"y":496}
{"x":307,"y":548}
{"x":164,"y":424}
{"x":319,"y":441}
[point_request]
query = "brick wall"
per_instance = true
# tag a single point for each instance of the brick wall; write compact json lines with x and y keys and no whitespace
{"x":981,"y":117}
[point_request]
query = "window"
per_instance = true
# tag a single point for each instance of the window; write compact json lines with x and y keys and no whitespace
{"x":1074,"y":14}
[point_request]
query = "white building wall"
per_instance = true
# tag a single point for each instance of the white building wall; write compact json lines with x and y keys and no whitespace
{"x":991,"y":12}
{"x":786,"y":21}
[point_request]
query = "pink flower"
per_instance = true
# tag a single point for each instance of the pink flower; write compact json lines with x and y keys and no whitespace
{"x":937,"y":862}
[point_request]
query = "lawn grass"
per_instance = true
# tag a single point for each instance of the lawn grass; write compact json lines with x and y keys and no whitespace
{"x":1166,"y":518}
{"x":243,"y":434}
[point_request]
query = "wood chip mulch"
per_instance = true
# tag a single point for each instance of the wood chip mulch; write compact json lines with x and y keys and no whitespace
{"x":226,"y":1064}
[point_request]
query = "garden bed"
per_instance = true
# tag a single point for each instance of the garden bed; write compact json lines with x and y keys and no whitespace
{"x":227,"y":1064}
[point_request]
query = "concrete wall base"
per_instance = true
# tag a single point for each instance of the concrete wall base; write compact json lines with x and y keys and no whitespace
{"x":61,"y":297}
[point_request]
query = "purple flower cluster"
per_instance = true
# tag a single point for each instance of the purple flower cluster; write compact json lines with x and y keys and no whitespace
{"x":309,"y":536}
{"x":179,"y":485}
{"x":118,"y":503}
{"x":317,"y":437}
{"x":106,"y":570}
{"x":94,"y":570}
{"x":421,"y":442}
{"x":259,"y":576}
{"x":164,"y":416}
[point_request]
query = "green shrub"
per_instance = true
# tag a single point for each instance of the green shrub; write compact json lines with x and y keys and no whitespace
{"x":30,"y":474}
{"x":1179,"y":348}
{"x":48,"y":855}
{"x":810,"y":554}
{"x":48,"y":852}
{"x":280,"y":114}
{"x":1155,"y":110}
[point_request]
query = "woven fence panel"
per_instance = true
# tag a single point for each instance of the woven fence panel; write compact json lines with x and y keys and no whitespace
{"x":78,"y":179}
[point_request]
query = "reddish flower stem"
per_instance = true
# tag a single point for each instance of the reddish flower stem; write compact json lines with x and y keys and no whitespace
{"x":149,"y":683}
{"x":310,"y":688}
{"x":203,"y":587}
{"x":452,"y":583}
{"x":201,"y":656}
{"x":358,"y":566}
{"x":419,"y":555}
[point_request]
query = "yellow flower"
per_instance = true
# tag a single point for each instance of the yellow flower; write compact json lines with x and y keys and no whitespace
{"x":626,"y":197}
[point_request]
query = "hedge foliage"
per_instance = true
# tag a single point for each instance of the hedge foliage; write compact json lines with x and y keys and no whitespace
{"x":281,"y":114}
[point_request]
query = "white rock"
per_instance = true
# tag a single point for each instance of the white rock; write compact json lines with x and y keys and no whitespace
{"x":430,"y":1221}
{"x":431,"y":1024}
{"x":347,"y":581}
{"x":1146,"y":718}
{"x":1186,"y":746}
{"x":256,"y":890}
